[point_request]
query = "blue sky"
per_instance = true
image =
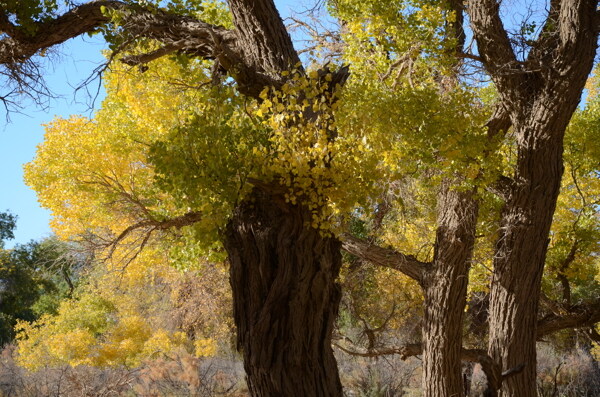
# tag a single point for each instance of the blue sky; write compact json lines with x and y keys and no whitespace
{"x":18,"y":138}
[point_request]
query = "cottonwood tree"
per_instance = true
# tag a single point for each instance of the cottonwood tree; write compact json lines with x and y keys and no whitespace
{"x":540,"y":94}
{"x":283,"y":269}
{"x":323,"y":295}
{"x":557,"y":63}
{"x":283,"y":265}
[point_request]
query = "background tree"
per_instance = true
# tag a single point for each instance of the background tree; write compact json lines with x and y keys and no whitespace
{"x":8,"y":223}
{"x":35,"y":277}
{"x":123,"y":317}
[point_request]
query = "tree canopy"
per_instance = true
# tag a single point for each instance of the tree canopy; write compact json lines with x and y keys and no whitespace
{"x":219,"y":141}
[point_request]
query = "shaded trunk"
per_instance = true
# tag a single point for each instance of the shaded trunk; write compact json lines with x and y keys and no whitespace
{"x":285,"y":296}
{"x":468,"y":377}
{"x":445,"y":289}
{"x":523,"y":242}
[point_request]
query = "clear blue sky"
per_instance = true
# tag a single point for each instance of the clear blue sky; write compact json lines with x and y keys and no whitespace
{"x":19,"y":137}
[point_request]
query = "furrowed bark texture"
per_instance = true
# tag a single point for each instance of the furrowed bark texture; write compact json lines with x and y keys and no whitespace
{"x":445,"y":281}
{"x":286,"y":299}
{"x":264,"y":40}
{"x":540,"y":94}
{"x":518,"y":265}
{"x":445,"y":287}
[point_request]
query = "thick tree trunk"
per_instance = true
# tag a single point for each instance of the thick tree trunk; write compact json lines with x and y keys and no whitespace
{"x":523,"y":241}
{"x":286,"y":298}
{"x":518,"y":269}
{"x":540,"y":94}
{"x":445,"y":288}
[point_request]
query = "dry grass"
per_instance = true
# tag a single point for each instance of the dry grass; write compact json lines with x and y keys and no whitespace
{"x":179,"y":375}
{"x":572,"y":374}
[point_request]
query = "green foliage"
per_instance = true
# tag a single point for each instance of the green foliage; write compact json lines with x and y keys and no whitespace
{"x":206,"y":162}
{"x":123,"y":316}
{"x":26,"y":13}
{"x":8,"y":222}
{"x":34,"y":278}
{"x":19,"y":291}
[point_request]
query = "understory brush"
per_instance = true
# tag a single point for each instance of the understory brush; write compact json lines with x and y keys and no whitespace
{"x":571,"y":374}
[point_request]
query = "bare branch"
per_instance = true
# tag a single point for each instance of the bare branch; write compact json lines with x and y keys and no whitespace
{"x":145,"y":228}
{"x":578,"y":316}
{"x":134,"y":60}
{"x":404,"y":351}
{"x":385,"y":257}
{"x":468,"y":55}
{"x":230,"y":49}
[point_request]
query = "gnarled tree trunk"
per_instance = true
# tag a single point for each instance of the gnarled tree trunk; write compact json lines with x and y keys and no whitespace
{"x":286,"y":299}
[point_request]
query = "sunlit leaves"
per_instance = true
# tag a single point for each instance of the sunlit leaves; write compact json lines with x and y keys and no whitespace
{"x":95,"y":175}
{"x":119,"y":318}
{"x":575,"y":236}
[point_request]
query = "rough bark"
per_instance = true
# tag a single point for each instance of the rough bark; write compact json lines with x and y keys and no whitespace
{"x":445,"y":288}
{"x":263,"y":39}
{"x":444,"y":283}
{"x":286,"y":299}
{"x":540,"y":94}
{"x":386,"y":257}
{"x":520,"y":257}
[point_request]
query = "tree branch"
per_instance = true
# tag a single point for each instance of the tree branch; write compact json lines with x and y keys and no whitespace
{"x":577,"y":21}
{"x":561,"y":276}
{"x":405,"y":351}
{"x":579,"y":316}
{"x":134,"y":60}
{"x":499,"y":122}
{"x":149,"y":226}
{"x":263,"y":37}
{"x":186,"y":34}
{"x":493,"y":42}
{"x":18,"y":46}
{"x":492,"y":370}
{"x":385,"y":257}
